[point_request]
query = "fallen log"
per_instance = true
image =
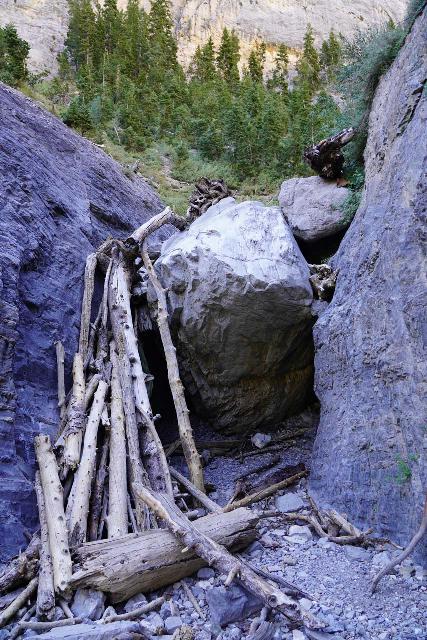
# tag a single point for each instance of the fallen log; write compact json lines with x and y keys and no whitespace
{"x":54,"y":505}
{"x":19,"y":602}
{"x":152,"y":559}
{"x":191,"y":454}
{"x":215,"y":554}
{"x":45,"y":590}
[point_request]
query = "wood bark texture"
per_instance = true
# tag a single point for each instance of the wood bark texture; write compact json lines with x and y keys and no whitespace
{"x":46,"y":589}
{"x":73,"y":434}
{"x":89,"y":285}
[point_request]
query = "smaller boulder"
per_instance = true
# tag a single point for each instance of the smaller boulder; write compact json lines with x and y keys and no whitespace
{"x":313,"y":207}
{"x":289,"y":502}
{"x":135,"y":602}
{"x":172,"y":624}
{"x":300,"y":531}
{"x":231,"y":604}
{"x":88,"y":604}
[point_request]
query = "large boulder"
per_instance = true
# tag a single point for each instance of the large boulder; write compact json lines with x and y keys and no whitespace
{"x":60,"y":197}
{"x":240,"y":299}
{"x":370,"y":457}
{"x":313,"y":207}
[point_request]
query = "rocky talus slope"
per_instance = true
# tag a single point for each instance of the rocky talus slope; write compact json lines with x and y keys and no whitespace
{"x":60,"y":197}
{"x":370,"y":456}
{"x":44,"y":22}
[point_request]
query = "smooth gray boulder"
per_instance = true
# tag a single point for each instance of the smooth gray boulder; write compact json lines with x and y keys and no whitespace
{"x":370,"y":454}
{"x":313,"y":207}
{"x":240,"y":299}
{"x":231,"y":604}
{"x":60,"y":197}
{"x":88,"y":604}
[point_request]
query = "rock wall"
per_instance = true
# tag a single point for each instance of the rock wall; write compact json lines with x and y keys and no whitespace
{"x":370,"y":457}
{"x":60,"y":197}
{"x":44,"y":22}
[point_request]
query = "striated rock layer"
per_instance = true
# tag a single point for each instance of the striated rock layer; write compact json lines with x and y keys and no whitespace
{"x":60,"y":197}
{"x":44,"y":22}
{"x":370,"y":457}
{"x":240,"y":299}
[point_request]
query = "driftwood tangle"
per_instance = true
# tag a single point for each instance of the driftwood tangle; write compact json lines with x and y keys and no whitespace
{"x":206,"y":193}
{"x":326,"y":158}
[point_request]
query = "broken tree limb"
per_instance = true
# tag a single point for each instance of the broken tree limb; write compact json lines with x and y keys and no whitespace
{"x":73,"y":434}
{"x":83,"y":480}
{"x":326,"y":157}
{"x":201,"y":497}
{"x":22,"y":568}
{"x":45,"y":590}
{"x":182,"y":413}
{"x":46,"y":626}
{"x":89,"y":285}
{"x":215,"y":554}
{"x":117,"y":522}
{"x":406,"y":552}
{"x":19,"y":602}
{"x":124,"y":336}
{"x":135,"y":613}
{"x":60,"y":360}
{"x":54,"y":506}
{"x":265,"y":493}
{"x":152,"y":559}
{"x":167,"y":216}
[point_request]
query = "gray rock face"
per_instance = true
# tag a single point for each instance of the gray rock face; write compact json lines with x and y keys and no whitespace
{"x":370,"y":456}
{"x":313,"y":207}
{"x":240,"y":303}
{"x":60,"y":197}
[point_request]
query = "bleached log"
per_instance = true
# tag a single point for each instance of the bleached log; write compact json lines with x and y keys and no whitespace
{"x":189,"y":448}
{"x":89,"y":285}
{"x":91,"y":387}
{"x":84,"y":476}
{"x":152,"y":559}
{"x":54,"y":505}
{"x":73,"y":434}
{"x":126,"y":344}
{"x":60,"y":360}
{"x":167,"y":216}
{"x":117,"y":522}
{"x":215,"y":554}
{"x":19,"y":602}
{"x":21,"y":569}
{"x":46,"y":589}
{"x":46,"y":626}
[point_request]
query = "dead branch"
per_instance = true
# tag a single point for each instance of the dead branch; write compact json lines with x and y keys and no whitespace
{"x":53,"y":624}
{"x":264,"y":493}
{"x":22,"y":568}
{"x":89,"y":284}
{"x":326,"y":157}
{"x":214,"y":554}
{"x":17,"y":630}
{"x":210,"y":505}
{"x":73,"y":434}
{"x":406,"y":552}
{"x":60,"y":359}
{"x":192,"y":599}
{"x":19,"y":602}
{"x":136,"y":613}
{"x":99,"y":485}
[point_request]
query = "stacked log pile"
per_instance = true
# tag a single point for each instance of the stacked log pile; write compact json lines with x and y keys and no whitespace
{"x":112,"y":515}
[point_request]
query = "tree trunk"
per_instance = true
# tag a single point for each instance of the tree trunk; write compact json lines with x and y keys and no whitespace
{"x":182,"y":413}
{"x":54,"y":505}
{"x":89,"y":285}
{"x":73,"y":434}
{"x":83,"y":479}
{"x":117,"y":521}
{"x":46,"y":589}
{"x":150,"y":560}
{"x":99,"y":487}
{"x":21,"y":569}
{"x":60,"y":357}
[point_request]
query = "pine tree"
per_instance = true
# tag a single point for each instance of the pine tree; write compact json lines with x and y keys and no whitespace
{"x":279,"y":78}
{"x":81,"y":41}
{"x":134,"y":47}
{"x":203,"y":67}
{"x":13,"y":56}
{"x":162,"y":40}
{"x":256,"y":62}
{"x":308,"y":66}
{"x":228,"y":57}
{"x":331,"y":55}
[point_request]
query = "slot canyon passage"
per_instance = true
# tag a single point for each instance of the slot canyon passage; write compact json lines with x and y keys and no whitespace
{"x":299,"y":340}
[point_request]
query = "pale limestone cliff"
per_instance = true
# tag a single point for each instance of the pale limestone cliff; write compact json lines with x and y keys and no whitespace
{"x":44,"y":22}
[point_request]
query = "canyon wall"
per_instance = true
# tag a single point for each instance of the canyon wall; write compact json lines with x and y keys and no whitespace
{"x":44,"y":22}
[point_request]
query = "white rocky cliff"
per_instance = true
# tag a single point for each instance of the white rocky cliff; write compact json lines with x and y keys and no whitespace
{"x":44,"y":22}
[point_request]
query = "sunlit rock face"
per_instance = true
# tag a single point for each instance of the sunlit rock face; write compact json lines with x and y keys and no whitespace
{"x":44,"y":22}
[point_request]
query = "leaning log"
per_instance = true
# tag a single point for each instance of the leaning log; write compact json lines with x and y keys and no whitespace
{"x":326,"y":157}
{"x":80,"y":493}
{"x":54,"y":504}
{"x":191,"y":454}
{"x":73,"y":434}
{"x":153,"y":559}
{"x":89,"y":285}
{"x":21,"y":569}
{"x":45,"y":590}
{"x":215,"y":554}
